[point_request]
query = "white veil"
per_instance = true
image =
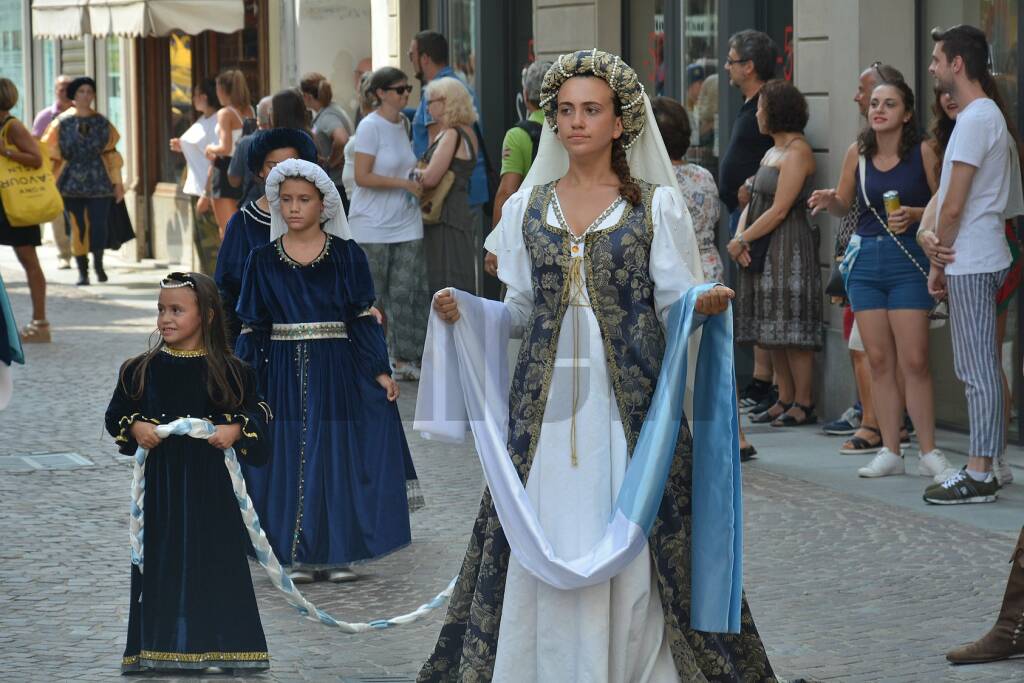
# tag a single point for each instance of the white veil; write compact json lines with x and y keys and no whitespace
{"x":332,"y":217}
{"x":648,"y":160}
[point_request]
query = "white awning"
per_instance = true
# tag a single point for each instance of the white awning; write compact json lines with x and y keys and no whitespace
{"x":132,"y":18}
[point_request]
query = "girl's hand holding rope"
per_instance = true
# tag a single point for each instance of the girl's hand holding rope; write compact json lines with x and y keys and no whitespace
{"x":145,"y":434}
{"x":225,"y":436}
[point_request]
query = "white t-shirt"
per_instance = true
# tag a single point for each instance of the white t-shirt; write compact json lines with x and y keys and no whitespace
{"x":980,"y":139}
{"x":378,"y":215}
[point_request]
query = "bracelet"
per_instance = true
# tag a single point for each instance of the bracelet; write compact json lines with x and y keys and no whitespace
{"x":739,"y":238}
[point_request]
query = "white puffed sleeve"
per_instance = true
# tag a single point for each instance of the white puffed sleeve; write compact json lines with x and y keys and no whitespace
{"x":674,"y":255}
{"x":506,"y":242}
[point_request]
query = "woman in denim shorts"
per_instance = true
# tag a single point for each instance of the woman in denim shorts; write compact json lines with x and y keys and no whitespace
{"x":887,"y":270}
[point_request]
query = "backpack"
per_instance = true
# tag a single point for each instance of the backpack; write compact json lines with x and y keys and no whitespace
{"x":533,"y":129}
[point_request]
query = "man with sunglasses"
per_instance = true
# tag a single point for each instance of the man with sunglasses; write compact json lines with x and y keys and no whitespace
{"x":749,"y":64}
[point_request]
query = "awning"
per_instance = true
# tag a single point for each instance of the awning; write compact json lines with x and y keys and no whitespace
{"x":132,"y":18}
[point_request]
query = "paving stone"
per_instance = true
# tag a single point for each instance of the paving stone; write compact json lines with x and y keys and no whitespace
{"x":843,"y":587}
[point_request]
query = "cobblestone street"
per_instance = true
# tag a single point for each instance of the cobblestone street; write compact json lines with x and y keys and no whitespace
{"x":848,"y":580}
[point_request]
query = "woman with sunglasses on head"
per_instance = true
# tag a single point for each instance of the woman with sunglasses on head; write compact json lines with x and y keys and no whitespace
{"x":386,"y":221}
{"x":886,"y":283}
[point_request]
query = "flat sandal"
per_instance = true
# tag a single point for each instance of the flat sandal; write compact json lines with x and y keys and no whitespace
{"x":787,"y":420}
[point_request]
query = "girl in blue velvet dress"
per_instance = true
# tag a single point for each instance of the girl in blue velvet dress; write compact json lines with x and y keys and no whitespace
{"x":336,"y":483}
{"x":192,"y":606}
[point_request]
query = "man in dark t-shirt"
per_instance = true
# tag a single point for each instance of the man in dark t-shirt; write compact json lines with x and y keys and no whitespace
{"x":750,"y":63}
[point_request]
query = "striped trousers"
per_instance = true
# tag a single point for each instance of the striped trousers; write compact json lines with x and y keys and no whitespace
{"x":972,"y":318}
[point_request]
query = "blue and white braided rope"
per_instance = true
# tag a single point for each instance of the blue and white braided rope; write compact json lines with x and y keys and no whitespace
{"x":202,"y":429}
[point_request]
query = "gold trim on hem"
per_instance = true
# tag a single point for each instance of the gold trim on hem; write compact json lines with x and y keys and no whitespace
{"x":195,"y":657}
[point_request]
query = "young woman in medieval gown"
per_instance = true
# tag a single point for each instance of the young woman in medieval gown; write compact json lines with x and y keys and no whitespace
{"x":192,"y":601}
{"x":336,"y":490}
{"x":589,"y":290}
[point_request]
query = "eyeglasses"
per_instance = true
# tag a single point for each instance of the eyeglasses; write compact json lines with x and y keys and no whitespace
{"x":730,"y":62}
{"x":435,"y":100}
{"x":176,"y":280}
{"x":400,"y":89}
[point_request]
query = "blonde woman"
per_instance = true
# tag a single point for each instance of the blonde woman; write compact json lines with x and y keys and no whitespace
{"x":233,"y":92}
{"x":450,"y":245}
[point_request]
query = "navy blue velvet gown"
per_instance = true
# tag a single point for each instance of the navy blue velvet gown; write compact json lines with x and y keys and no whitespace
{"x":248,"y":228}
{"x":193,"y":607}
{"x":335,"y":487}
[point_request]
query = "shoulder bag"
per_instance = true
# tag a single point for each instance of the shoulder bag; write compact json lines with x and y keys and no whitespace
{"x":432,"y":200}
{"x":940,"y":311}
{"x":29,"y":195}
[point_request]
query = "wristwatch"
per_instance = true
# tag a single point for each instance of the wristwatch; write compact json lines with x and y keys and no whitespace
{"x":739,"y":238}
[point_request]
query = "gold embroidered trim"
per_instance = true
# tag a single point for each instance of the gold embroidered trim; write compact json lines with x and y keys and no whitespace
{"x":243,"y":421}
{"x":125,"y":424}
{"x":195,"y":657}
{"x":301,"y":331}
{"x":183,"y":353}
{"x":283,"y":255}
{"x":591,"y":229}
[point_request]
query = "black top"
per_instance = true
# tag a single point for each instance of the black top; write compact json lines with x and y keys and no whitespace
{"x":746,"y":147}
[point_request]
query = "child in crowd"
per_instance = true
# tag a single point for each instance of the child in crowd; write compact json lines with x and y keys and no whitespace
{"x":336,"y":483}
{"x":193,"y":605}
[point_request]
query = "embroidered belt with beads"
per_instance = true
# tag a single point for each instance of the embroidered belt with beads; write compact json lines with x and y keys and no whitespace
{"x":302,"y":331}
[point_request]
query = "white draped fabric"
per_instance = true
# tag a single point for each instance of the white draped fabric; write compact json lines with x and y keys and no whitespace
{"x":612,"y":631}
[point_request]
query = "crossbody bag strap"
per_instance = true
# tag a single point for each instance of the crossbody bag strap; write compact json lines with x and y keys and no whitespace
{"x":862,"y":166}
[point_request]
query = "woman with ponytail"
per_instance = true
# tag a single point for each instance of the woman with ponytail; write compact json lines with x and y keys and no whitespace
{"x":332,"y":127}
{"x":233,"y":92}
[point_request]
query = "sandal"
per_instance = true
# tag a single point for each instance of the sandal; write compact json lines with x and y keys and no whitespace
{"x":767,"y":415}
{"x":36,"y":332}
{"x":787,"y":420}
{"x":747,"y":453}
{"x":857,"y":445}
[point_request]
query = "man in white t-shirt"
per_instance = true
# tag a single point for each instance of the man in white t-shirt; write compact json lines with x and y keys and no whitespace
{"x":979,"y":170}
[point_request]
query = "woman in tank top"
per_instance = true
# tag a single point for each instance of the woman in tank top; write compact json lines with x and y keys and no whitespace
{"x":234,"y":92}
{"x":886,"y":284}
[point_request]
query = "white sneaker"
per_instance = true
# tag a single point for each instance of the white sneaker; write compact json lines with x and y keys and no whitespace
{"x":883,"y":464}
{"x":1004,"y":475}
{"x":934,"y":464}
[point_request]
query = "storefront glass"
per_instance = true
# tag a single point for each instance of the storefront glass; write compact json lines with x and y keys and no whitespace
{"x":700,"y":80}
{"x":12,"y":55}
{"x":998,"y":19}
{"x":115,"y":98}
{"x":646,"y":44}
{"x":180,"y":97}
{"x":462,"y":38}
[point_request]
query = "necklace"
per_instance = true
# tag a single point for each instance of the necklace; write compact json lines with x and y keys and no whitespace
{"x":576,"y":240}
{"x":183,"y":353}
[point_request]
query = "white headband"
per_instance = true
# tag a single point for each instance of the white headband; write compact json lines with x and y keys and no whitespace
{"x":332,"y":217}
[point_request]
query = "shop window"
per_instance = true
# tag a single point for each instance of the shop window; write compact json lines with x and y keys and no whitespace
{"x":646,"y":43}
{"x":700,"y":80}
{"x":462,"y":39}
{"x":115,"y":90}
{"x":179,"y":102}
{"x":12,"y":57}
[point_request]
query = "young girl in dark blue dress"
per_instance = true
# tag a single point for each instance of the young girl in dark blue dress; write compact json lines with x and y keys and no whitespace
{"x":336,"y":484}
{"x":192,"y":605}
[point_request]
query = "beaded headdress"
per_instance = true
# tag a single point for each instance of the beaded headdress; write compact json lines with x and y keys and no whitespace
{"x":623,"y":81}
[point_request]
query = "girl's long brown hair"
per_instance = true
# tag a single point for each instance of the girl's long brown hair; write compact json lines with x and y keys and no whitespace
{"x":224,"y":372}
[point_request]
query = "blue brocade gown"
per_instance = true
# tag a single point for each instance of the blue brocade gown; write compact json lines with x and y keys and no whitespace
{"x":335,"y":489}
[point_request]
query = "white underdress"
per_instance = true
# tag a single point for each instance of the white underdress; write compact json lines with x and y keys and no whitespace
{"x":613,"y":632}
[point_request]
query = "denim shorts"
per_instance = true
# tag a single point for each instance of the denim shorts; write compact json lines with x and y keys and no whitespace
{"x":883,"y":277}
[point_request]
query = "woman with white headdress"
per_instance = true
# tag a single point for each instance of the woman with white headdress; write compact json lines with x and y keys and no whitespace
{"x":336,"y":485}
{"x":595,"y":249}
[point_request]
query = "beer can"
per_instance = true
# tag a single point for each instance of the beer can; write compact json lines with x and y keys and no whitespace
{"x":891,"y":200}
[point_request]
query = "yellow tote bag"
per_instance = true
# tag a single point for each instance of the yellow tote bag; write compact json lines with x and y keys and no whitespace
{"x":29,"y":195}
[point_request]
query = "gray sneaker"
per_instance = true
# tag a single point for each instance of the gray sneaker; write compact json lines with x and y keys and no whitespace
{"x":961,"y":488}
